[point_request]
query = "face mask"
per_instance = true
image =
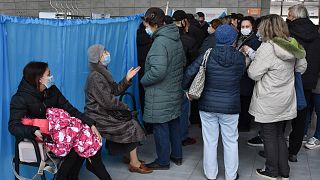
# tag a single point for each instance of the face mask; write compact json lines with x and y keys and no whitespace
{"x":245,"y":31}
{"x":210,"y":30}
{"x":106,"y":60}
{"x":149,"y":31}
{"x":50,"y":82}
{"x":259,"y":36}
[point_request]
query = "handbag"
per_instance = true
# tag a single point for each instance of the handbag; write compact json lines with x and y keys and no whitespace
{"x":301,"y":100}
{"x":197,"y":85}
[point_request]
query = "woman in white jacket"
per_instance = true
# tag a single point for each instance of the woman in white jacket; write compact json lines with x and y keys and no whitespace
{"x":274,"y":96}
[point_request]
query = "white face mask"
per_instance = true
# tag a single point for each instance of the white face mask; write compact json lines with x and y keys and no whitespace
{"x":210,"y":30}
{"x":245,"y":31}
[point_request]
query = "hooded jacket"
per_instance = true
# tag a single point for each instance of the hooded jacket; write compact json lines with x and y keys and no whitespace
{"x":221,"y":93}
{"x":274,"y":95}
{"x":163,"y":76}
{"x":31,"y":103}
{"x":306,"y":33}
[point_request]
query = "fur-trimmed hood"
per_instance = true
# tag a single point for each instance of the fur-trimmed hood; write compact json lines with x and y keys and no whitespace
{"x":288,"y":50}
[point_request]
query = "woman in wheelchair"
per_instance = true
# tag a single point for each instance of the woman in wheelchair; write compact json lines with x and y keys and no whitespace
{"x":113,"y":118}
{"x":35,"y":94}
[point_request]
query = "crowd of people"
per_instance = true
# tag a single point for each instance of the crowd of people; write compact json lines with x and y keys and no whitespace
{"x":253,"y":71}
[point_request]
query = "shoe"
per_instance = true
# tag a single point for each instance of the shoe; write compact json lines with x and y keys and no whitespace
{"x":256,"y":141}
{"x":292,"y":158}
{"x":285,"y":177}
{"x":265,"y":174}
{"x":188,"y":141}
{"x":312,"y":143}
{"x":126,"y":160}
{"x":177,"y":161}
{"x":262,"y":154}
{"x":155,"y":166}
{"x":305,"y":139}
{"x":142,"y":169}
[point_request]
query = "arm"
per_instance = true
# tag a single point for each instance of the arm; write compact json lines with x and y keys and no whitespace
{"x":191,"y":72}
{"x":158,"y":61}
{"x":301,"y":65}
{"x":261,"y":63}
{"x":18,"y":110}
{"x":101,"y":92}
{"x":118,"y":89}
{"x":64,"y":104}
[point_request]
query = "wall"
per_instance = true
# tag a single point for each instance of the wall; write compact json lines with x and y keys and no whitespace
{"x":128,"y":7}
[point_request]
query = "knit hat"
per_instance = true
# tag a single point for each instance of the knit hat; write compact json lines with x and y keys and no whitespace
{"x":179,"y":15}
{"x":225,"y":34}
{"x":95,"y":52}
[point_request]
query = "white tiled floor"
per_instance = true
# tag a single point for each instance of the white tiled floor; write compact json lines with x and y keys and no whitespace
{"x":307,"y":167}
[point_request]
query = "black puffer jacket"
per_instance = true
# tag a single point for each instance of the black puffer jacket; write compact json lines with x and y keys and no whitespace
{"x":31,"y":103}
{"x":306,"y":33}
{"x":189,"y":46}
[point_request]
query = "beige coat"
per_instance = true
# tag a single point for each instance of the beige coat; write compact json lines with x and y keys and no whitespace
{"x":274,"y":95}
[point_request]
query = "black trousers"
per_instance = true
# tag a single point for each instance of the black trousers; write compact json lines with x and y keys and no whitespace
{"x":275,"y":148}
{"x":244,"y":117}
{"x":298,"y":123}
{"x":71,"y":166}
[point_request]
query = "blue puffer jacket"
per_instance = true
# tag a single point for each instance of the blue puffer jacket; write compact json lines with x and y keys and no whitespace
{"x":225,"y":67}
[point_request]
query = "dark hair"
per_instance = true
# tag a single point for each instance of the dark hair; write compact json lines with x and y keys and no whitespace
{"x":33,"y":71}
{"x":168,"y":19}
{"x":200,"y":14}
{"x":190,"y":16}
{"x":250,"y":19}
{"x":154,"y":16}
{"x":215,"y":23}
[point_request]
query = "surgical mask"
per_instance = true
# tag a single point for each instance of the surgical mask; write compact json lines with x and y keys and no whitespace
{"x":210,"y":30}
{"x":259,"y":36}
{"x":149,"y":31}
{"x":50,"y":82}
{"x":106,"y":60}
{"x":245,"y":31}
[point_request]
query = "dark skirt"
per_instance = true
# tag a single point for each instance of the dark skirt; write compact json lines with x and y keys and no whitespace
{"x":115,"y":148}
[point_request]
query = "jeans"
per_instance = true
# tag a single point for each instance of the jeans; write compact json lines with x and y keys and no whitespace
{"x":166,"y":134}
{"x":210,"y":132}
{"x":275,"y":148}
{"x":315,"y":103}
{"x":298,"y":124}
{"x":184,"y":118}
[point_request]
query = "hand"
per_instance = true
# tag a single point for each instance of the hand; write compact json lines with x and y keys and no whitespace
{"x":96,"y":132}
{"x":132,"y":72}
{"x":38,"y":134}
{"x":245,"y":48}
{"x":190,"y":99}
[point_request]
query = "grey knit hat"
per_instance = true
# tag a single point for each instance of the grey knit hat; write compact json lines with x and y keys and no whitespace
{"x":95,"y":52}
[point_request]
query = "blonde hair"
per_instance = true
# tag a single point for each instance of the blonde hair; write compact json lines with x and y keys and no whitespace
{"x":273,"y":26}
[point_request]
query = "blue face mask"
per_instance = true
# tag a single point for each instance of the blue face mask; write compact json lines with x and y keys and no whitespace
{"x":50,"y":82}
{"x":149,"y":32}
{"x":106,"y":60}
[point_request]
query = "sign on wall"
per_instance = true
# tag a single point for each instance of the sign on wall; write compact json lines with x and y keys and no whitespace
{"x":212,"y":13}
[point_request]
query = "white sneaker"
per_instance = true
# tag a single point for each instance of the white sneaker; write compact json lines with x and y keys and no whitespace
{"x":305,"y":139}
{"x":312,"y":143}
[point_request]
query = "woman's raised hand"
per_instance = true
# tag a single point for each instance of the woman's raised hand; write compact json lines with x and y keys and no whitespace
{"x":132,"y":72}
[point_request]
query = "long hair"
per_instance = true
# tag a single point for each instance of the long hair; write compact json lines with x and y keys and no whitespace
{"x":33,"y":71}
{"x":273,"y":26}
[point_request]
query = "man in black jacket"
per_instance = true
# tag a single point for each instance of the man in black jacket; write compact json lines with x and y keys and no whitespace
{"x":203,"y":24}
{"x":306,"y":33}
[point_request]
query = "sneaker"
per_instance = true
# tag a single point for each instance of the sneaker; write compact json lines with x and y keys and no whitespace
{"x":312,"y":143}
{"x":256,"y":141}
{"x":305,"y":139}
{"x":265,"y":174}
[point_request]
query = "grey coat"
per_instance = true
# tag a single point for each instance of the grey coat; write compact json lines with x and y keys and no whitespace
{"x":112,"y":117}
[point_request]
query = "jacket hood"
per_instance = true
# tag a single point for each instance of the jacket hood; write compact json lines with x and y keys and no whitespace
{"x":24,"y":86}
{"x":288,"y":50}
{"x":303,"y":29}
{"x":170,"y":31}
{"x":224,"y":55}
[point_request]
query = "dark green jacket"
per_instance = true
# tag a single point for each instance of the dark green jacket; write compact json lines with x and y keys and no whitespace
{"x":163,"y":75}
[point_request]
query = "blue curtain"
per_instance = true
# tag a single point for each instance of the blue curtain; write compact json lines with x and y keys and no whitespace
{"x":63,"y":44}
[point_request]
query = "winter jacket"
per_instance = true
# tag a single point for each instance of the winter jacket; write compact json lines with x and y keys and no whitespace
{"x":225,"y":67}
{"x":306,"y":33}
{"x":189,"y":46}
{"x":163,"y":76}
{"x":113,"y":118}
{"x":209,"y":42}
{"x":196,"y":33}
{"x":247,"y":84}
{"x":274,"y":95}
{"x":31,"y":103}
